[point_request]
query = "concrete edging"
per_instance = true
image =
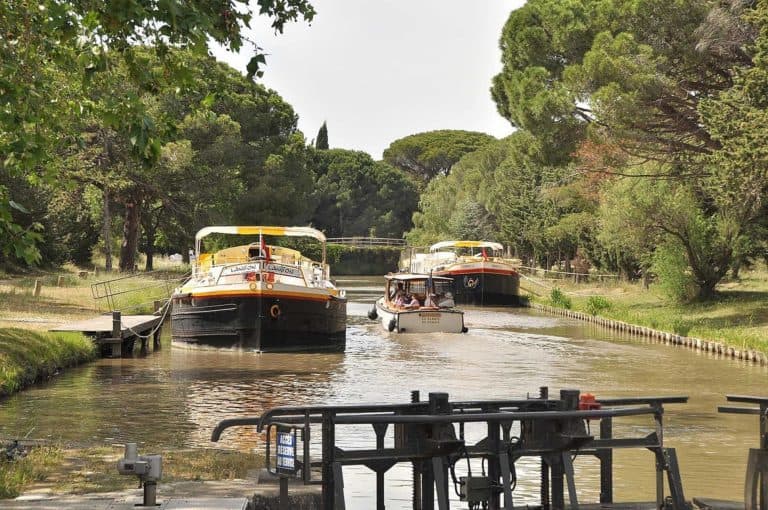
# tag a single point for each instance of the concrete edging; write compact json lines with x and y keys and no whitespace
{"x":710,"y":346}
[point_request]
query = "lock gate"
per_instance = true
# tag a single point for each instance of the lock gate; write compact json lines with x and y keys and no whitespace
{"x":430,"y":435}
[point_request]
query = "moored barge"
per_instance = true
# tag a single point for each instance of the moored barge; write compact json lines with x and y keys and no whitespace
{"x":260,"y":297}
{"x":481,"y":276}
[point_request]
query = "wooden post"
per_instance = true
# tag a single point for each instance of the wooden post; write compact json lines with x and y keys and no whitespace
{"x":38,"y":288}
{"x":117,"y":333}
{"x":59,"y":281}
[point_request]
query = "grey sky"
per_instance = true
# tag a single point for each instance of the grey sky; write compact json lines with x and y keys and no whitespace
{"x":379,"y":70}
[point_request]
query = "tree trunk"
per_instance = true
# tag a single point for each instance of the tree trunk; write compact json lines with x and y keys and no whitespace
{"x":646,"y":278}
{"x":707,"y":290}
{"x":107,"y":232}
{"x":130,"y":234}
{"x":736,"y":269}
{"x":149,"y":249}
{"x":150,"y":253}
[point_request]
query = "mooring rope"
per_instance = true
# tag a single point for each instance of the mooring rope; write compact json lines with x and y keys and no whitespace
{"x":165,"y":307}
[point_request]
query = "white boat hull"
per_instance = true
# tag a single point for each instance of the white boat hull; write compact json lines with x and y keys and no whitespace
{"x":439,"y":320}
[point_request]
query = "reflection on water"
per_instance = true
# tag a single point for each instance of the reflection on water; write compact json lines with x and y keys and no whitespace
{"x":174,"y":398}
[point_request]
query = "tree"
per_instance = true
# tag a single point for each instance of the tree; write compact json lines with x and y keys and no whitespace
{"x":449,"y":204}
{"x":640,"y":214}
{"x":322,"y":138}
{"x":665,"y":83}
{"x":427,"y":155}
{"x":633,"y":71}
{"x":198,"y":177}
{"x":44,"y":40}
{"x":358,"y":196}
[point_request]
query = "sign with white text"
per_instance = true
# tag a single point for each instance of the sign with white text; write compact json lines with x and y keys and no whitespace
{"x":286,"y":451}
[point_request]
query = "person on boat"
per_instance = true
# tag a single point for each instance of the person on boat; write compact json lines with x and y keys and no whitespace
{"x":446,"y":301}
{"x":396,"y":292}
{"x":411,"y":303}
{"x":431,"y":300}
{"x":400,"y":300}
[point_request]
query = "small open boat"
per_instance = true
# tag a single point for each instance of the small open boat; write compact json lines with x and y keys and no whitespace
{"x":481,"y":276}
{"x":259,"y":297}
{"x":418,"y":303}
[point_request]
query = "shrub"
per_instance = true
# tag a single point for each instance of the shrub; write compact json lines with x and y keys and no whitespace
{"x":675,"y":279}
{"x":597,"y":304}
{"x":681,"y":326}
{"x":559,"y":299}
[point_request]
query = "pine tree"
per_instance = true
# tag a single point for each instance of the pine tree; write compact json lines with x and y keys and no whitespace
{"x":322,"y":138}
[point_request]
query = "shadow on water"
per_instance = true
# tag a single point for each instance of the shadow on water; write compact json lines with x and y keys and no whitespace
{"x":174,"y":397}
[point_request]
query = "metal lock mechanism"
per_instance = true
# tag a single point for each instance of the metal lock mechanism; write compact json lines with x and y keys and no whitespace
{"x":149,"y":469}
{"x":474,"y":489}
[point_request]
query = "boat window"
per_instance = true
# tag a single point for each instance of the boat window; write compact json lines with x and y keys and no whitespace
{"x":417,"y":287}
{"x":441,"y":287}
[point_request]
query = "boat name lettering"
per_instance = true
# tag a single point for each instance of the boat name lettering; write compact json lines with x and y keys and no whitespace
{"x":242,"y":268}
{"x":283,"y":270}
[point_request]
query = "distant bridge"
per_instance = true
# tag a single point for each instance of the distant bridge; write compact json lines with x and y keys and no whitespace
{"x":367,"y":241}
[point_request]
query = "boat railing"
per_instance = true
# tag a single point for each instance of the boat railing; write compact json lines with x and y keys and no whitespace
{"x":366,"y":241}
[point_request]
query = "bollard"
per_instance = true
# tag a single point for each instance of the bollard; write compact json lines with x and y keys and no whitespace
{"x":38,"y":288}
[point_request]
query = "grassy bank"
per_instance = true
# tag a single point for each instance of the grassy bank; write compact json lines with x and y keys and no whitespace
{"x":29,"y":356}
{"x":63,"y":471}
{"x":738,"y":317}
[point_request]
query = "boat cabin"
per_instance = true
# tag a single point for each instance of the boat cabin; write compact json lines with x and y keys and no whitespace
{"x":429,"y":291}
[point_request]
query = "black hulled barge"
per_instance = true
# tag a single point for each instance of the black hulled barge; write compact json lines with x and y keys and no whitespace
{"x":259,"y":297}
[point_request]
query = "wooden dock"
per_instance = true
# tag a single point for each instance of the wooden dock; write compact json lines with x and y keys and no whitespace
{"x":116,"y":334}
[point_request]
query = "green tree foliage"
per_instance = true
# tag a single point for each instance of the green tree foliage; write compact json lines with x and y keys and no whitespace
{"x":450,"y":206}
{"x":470,"y":221}
{"x":51,"y":52}
{"x":198,"y":176}
{"x":322,"y":138}
{"x":358,"y":196}
{"x":278,"y":190}
{"x":738,"y":170}
{"x":640,"y":214}
{"x":427,"y":155}
{"x":631,"y":69}
{"x":676,"y":86}
{"x":500,"y":192}
{"x":671,"y":267}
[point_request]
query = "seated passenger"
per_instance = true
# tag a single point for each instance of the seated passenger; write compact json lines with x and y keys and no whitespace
{"x":411,"y":302}
{"x":446,"y":301}
{"x":396,"y":293}
{"x":431,"y":300}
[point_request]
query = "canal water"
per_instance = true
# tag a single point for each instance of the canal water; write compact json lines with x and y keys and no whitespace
{"x":173,"y":398}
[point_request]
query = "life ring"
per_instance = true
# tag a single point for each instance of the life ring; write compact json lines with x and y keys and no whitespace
{"x":274,"y":311}
{"x":269,"y":277}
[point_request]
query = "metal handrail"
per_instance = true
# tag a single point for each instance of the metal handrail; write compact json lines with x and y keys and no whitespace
{"x":367,"y":241}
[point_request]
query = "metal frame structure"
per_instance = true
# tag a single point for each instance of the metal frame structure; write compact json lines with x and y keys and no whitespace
{"x":756,"y":479}
{"x":425,"y":436}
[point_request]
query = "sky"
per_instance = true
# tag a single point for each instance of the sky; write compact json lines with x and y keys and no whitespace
{"x":380,"y":70}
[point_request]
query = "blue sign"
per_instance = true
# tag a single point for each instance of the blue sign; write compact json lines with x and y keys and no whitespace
{"x":286,"y":451}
